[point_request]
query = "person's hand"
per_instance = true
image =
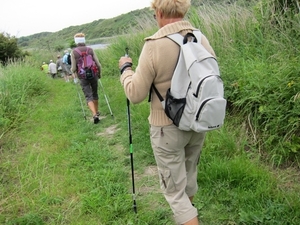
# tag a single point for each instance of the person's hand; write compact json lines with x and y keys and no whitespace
{"x":124,"y":63}
{"x":124,"y":60}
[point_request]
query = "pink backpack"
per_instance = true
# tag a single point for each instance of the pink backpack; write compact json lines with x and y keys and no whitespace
{"x":86,"y":66}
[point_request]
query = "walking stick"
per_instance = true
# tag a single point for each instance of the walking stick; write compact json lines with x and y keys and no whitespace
{"x":106,"y":98}
{"x":131,"y":156}
{"x":84,"y":116}
{"x":131,"y":149}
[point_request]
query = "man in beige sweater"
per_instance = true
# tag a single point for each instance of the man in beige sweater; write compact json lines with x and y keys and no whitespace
{"x":176,"y":152}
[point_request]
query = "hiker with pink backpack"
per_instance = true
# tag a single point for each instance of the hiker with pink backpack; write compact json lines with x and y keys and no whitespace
{"x":87,"y":68}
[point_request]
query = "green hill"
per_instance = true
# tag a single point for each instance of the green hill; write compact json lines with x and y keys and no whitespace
{"x":98,"y":31}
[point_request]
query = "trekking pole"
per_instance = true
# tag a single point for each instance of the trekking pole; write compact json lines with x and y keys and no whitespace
{"x":84,"y":116}
{"x":130,"y":149}
{"x":131,"y":156}
{"x":106,"y":99}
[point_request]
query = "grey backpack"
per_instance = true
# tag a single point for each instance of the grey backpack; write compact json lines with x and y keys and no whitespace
{"x":195,"y":100}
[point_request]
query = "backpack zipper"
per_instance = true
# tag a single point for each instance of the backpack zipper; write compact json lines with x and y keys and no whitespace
{"x":198,"y":88}
{"x":201,"y":107}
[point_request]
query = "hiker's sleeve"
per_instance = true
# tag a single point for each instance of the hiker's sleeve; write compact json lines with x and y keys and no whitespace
{"x":137,"y":83}
{"x":207,"y":46}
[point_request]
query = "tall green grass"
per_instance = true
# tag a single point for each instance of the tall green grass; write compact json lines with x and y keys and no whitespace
{"x":19,"y":88}
{"x":260,"y":67}
{"x":58,"y":168}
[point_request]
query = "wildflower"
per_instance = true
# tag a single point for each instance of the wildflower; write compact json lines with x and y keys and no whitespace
{"x":290,"y":84}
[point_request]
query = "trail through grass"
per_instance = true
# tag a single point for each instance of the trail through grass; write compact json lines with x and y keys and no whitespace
{"x":63,"y":169}
{"x":58,"y":168}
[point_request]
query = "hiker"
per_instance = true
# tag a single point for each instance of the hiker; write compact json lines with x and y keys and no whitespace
{"x":66,"y":66}
{"x":176,"y":152}
{"x":59,"y":66}
{"x":89,"y":86}
{"x":52,"y":69}
{"x":44,"y":68}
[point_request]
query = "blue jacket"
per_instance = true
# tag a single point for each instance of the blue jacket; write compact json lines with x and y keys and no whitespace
{"x":65,"y":58}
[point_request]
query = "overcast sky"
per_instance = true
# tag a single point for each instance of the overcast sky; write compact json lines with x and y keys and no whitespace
{"x":25,"y":17}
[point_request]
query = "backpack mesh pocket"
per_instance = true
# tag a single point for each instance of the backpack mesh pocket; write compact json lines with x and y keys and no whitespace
{"x":174,"y":107}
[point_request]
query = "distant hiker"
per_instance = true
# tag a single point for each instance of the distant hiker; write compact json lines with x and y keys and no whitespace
{"x":176,"y":152}
{"x":66,"y":66}
{"x":59,"y":66}
{"x":87,"y":68}
{"x":52,"y":69}
{"x":45,"y":67}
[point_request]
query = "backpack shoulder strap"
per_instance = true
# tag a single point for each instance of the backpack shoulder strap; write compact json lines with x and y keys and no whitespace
{"x":198,"y":35}
{"x":179,"y":39}
{"x":157,"y":93}
{"x":176,"y":37}
{"x":78,"y":51}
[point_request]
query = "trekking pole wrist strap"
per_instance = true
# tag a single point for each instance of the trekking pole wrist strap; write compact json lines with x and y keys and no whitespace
{"x":125,"y":66}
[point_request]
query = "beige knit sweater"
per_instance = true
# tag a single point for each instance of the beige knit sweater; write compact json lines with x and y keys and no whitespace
{"x":156,"y":64}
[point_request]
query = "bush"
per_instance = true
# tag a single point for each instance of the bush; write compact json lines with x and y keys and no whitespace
{"x":9,"y":48}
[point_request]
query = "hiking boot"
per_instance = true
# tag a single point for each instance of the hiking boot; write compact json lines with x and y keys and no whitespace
{"x":96,"y":119}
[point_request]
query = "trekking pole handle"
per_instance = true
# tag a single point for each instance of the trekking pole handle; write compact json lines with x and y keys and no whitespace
{"x":127,"y":64}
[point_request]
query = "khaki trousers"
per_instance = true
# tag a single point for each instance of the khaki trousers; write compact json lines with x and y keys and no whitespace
{"x":177,"y":155}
